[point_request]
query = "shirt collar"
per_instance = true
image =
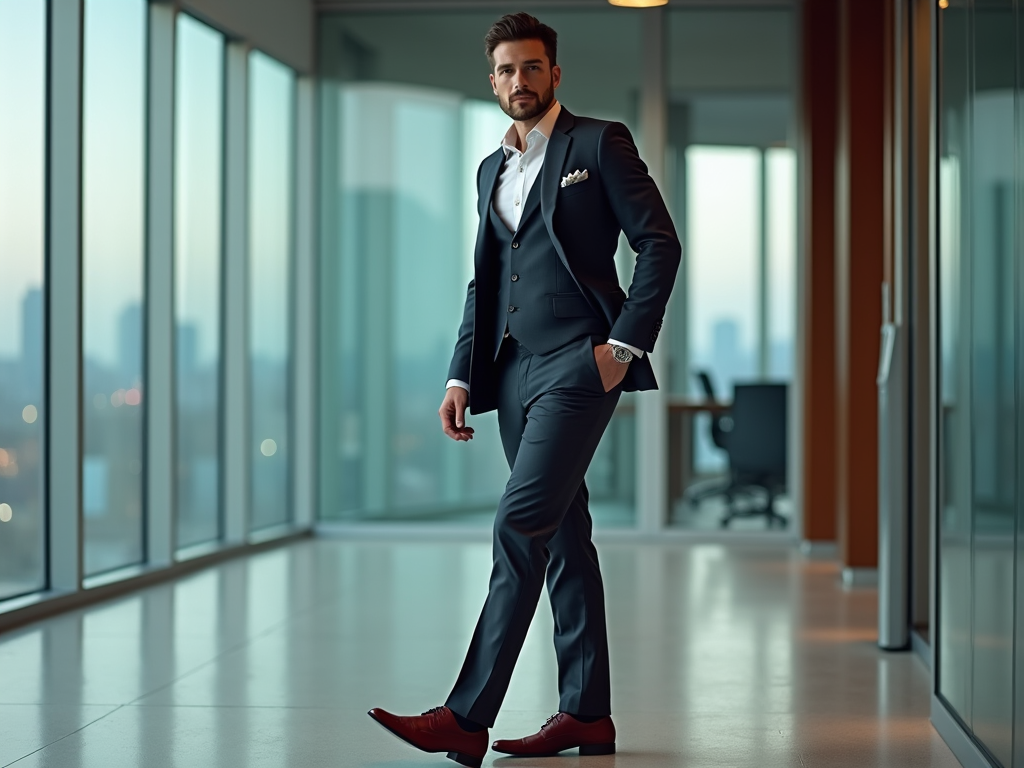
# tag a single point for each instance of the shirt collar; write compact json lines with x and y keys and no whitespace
{"x":543,"y":129}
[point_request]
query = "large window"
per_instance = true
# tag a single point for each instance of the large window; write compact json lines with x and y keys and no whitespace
{"x":271,"y":169}
{"x":401,"y":146}
{"x":732,"y":170}
{"x":113,"y":215}
{"x":22,"y":368}
{"x":199,"y":87}
{"x":741,"y":246}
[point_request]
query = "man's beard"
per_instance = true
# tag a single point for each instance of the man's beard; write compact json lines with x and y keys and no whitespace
{"x":529,"y":110}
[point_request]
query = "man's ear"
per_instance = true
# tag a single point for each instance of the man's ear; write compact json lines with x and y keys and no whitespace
{"x":493,"y":86}
{"x":556,"y":75}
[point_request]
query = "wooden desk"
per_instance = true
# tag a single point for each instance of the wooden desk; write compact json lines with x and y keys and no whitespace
{"x":681,"y":411}
{"x":684,"y":404}
{"x":678,"y":404}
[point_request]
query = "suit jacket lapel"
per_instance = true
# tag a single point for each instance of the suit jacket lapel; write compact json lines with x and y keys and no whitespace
{"x":551,"y":175}
{"x":489,"y":170}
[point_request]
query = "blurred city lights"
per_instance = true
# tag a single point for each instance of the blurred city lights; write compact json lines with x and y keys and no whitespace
{"x":268,"y":447}
{"x":6,"y":513}
{"x":29,"y":414}
{"x":117,"y":399}
{"x":8,"y":463}
{"x":132,"y":397}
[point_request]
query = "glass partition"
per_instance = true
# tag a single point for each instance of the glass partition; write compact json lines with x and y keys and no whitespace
{"x":22,"y":345}
{"x":401,"y":143}
{"x":199,"y":104}
{"x":732,"y":92}
{"x":979,"y":257}
{"x":271,"y":169}
{"x":113,"y":216}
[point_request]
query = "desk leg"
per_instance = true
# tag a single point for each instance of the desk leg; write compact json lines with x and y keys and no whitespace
{"x":680,"y":455}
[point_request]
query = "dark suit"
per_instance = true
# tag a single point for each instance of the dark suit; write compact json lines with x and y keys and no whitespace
{"x":552,"y":284}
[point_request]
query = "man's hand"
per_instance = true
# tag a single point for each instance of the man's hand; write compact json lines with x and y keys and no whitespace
{"x":453,"y":414}
{"x":612,"y":371}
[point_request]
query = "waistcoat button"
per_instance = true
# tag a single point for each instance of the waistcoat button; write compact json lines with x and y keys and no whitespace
{"x":514,"y":278}
{"x":515,"y":245}
{"x":511,"y":308}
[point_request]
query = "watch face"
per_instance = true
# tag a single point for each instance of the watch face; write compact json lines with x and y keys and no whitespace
{"x":622,"y":354}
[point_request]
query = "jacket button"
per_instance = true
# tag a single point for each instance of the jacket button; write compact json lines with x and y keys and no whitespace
{"x":514,"y":278}
{"x":515,"y":245}
{"x":511,"y":308}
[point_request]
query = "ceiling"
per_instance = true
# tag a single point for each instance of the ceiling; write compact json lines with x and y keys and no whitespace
{"x":449,"y":5}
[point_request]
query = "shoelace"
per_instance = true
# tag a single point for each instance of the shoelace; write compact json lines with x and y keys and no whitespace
{"x":434,"y":711}
{"x":553,"y":719}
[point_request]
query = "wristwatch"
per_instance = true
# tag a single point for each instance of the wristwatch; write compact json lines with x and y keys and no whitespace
{"x":621,"y":354}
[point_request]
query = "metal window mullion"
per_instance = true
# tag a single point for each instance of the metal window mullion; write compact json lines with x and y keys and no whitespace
{"x":763,"y":337}
{"x":159,"y":351}
{"x":652,"y":407}
{"x":304,"y":306}
{"x":236,"y":392}
{"x":63,"y":286}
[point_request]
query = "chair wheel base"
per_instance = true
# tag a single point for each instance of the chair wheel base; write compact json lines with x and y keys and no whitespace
{"x":597,"y":749}
{"x":463,"y":759}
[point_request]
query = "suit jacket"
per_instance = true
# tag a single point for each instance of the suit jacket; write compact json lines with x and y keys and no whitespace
{"x":584,"y":221}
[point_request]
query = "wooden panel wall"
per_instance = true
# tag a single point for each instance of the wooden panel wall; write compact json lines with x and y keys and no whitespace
{"x":862,"y":243}
{"x":845,"y":230}
{"x":819,"y":115}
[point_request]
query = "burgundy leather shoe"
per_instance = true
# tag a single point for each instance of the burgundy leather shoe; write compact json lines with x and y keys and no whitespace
{"x":560,"y":732}
{"x":437,"y":731}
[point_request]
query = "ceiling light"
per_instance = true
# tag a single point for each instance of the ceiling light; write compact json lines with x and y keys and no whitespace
{"x":638,"y":3}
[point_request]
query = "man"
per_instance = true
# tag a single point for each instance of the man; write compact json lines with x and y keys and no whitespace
{"x":550,"y":340}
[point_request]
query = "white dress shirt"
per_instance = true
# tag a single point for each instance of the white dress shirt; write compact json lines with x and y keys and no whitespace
{"x":518,"y":174}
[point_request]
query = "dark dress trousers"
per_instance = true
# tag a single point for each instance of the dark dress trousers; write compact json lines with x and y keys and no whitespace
{"x":541,"y":298}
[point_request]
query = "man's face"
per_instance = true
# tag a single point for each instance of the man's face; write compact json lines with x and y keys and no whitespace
{"x":523,"y":79}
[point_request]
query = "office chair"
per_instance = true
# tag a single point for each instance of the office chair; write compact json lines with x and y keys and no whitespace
{"x":758,"y":447}
{"x":721,"y":424}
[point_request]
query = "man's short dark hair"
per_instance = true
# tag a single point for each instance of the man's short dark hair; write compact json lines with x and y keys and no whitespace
{"x":520,"y":26}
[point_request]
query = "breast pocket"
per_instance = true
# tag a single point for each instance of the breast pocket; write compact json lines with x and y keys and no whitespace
{"x":564,"y":193}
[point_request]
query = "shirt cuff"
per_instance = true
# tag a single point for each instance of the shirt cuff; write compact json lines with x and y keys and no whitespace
{"x":456,"y":383}
{"x":630,"y":347}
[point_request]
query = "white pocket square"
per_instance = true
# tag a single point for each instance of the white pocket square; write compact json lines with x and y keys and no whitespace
{"x":574,"y":177}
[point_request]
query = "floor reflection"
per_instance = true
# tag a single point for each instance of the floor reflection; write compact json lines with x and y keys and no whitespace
{"x":721,"y":655}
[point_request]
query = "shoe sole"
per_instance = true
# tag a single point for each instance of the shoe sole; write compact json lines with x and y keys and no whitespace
{"x":586,"y":750}
{"x":472,"y":761}
{"x":463,"y":759}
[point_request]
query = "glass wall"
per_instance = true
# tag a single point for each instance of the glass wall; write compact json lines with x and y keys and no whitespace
{"x":397,"y":254}
{"x":22,"y":368}
{"x":271,"y":170}
{"x":980,"y":354}
{"x":199,"y":119}
{"x":151,"y":195}
{"x":732,"y":161}
{"x":113,"y":216}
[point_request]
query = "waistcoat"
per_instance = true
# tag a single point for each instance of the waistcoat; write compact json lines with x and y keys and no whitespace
{"x":538,"y":300}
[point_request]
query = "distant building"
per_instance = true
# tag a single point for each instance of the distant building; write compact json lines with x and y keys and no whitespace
{"x":130,"y":343}
{"x":187,"y":343}
{"x":32,"y":339}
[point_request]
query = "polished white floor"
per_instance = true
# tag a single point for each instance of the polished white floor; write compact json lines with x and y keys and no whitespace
{"x":721,"y":656}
